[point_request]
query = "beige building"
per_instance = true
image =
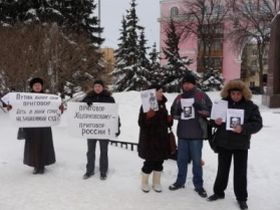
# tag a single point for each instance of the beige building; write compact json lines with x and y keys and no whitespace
{"x":109,"y":63}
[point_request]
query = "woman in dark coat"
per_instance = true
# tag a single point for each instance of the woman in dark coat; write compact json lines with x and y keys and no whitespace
{"x":38,"y":149}
{"x":235,"y":143}
{"x":154,"y":145}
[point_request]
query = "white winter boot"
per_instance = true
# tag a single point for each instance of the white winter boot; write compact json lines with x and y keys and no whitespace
{"x":156,"y":181}
{"x":145,"y":182}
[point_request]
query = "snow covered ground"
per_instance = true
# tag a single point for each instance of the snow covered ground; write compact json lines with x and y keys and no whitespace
{"x":62,"y":186}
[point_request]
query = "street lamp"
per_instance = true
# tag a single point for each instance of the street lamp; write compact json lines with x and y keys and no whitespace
{"x":99,"y":16}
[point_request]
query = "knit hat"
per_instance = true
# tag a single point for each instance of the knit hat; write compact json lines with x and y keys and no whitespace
{"x":98,"y":81}
{"x":156,"y":86}
{"x":190,"y":78}
{"x":34,"y":81}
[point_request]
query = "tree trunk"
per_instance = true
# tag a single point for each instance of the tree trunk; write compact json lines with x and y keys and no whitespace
{"x":261,"y":47}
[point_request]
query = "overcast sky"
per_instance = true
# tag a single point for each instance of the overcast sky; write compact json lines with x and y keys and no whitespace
{"x":111,"y":16}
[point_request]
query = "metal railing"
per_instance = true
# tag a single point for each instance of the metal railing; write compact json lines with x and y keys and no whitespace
{"x":124,"y":144}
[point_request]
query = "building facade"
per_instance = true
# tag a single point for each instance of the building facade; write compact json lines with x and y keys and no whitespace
{"x":223,"y":53}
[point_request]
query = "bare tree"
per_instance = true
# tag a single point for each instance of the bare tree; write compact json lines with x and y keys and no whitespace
{"x":44,"y":50}
{"x":203,"y":19}
{"x":251,"y":22}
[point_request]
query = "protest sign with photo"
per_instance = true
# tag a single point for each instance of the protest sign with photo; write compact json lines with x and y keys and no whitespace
{"x":235,"y":117}
{"x":149,"y":100}
{"x":98,"y":121}
{"x":187,"y":108}
{"x":33,"y":109}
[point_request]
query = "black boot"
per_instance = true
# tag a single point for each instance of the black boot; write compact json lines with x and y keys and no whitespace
{"x":215,"y":197}
{"x":36,"y":170}
{"x":243,"y":205}
{"x":103,"y":176}
{"x":42,"y":170}
{"x":201,"y":192}
{"x":175,"y":186}
{"x":88,"y":175}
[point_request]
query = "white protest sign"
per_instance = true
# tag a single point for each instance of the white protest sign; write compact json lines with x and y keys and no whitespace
{"x":98,"y":121}
{"x":219,"y":110}
{"x":149,"y":100}
{"x":235,"y":117}
{"x":33,"y":109}
{"x":187,"y":108}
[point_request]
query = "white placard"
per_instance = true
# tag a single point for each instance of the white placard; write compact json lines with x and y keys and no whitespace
{"x":234,"y":117}
{"x":187,"y":108}
{"x":219,"y":110}
{"x":149,"y":100}
{"x":33,"y":109}
{"x":98,"y":121}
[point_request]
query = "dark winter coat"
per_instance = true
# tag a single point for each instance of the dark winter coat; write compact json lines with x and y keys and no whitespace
{"x":252,"y":119}
{"x":193,"y":128}
{"x":38,"y":149}
{"x":103,"y":97}
{"x":153,"y":139}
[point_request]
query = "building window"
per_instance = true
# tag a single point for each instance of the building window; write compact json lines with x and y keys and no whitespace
{"x":217,"y":62}
{"x":217,"y":45}
{"x":174,"y":11}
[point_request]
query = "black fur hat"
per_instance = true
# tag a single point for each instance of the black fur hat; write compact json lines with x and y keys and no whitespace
{"x":190,"y":78}
{"x":99,"y":81}
{"x":156,"y":86}
{"x":35,"y":80}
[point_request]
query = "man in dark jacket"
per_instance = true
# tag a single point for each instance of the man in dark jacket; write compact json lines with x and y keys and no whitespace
{"x":100,"y":95}
{"x":235,"y":143}
{"x":190,"y":132}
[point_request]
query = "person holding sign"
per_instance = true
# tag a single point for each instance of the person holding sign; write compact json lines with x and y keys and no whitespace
{"x":154,"y":145}
{"x":233,"y":140}
{"x":191,"y":108}
{"x":101,"y":95}
{"x":38,"y":149}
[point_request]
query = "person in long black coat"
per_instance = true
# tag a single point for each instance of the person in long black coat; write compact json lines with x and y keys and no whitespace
{"x":154,"y":145}
{"x":236,"y":143}
{"x":38,"y":149}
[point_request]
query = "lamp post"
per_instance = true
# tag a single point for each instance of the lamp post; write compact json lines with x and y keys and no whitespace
{"x":99,"y":16}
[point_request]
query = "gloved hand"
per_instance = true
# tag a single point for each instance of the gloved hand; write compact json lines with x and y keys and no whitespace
{"x":151,"y":113}
{"x":118,"y":133}
{"x":89,"y":103}
{"x":203,"y":113}
{"x":169,"y":119}
{"x":9,"y":107}
{"x":61,"y":108}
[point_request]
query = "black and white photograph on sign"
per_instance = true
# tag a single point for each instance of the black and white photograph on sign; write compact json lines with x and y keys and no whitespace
{"x":234,"y":122}
{"x":187,"y":108}
{"x":149,"y":100}
{"x":235,"y":117}
{"x":219,"y":110}
{"x":187,"y":111}
{"x":153,"y":102}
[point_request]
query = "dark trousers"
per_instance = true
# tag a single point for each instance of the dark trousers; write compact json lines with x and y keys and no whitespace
{"x":103,"y":160}
{"x":150,"y":166}
{"x":240,"y":158}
